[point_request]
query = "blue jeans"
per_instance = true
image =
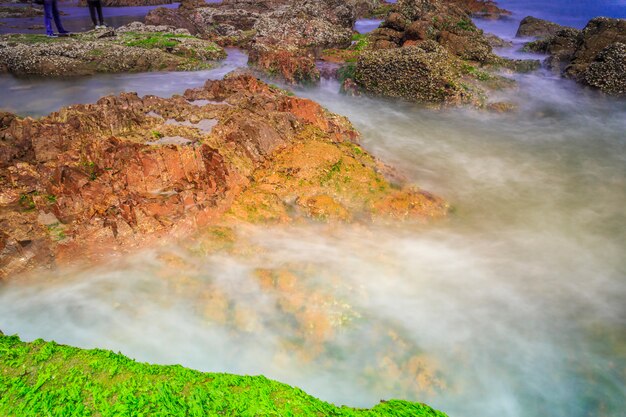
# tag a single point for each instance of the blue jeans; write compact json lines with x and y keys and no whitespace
{"x":51,"y":11}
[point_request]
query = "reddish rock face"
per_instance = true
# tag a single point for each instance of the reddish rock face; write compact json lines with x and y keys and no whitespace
{"x":295,"y":66}
{"x":126,"y":171}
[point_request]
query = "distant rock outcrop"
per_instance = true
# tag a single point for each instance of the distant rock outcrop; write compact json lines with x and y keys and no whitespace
{"x":593,"y":56}
{"x":533,"y":27}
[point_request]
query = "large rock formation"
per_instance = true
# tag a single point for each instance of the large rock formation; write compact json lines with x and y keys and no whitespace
{"x":136,"y":48}
{"x":599,"y":33}
{"x":126,"y":170}
{"x":312,"y":23}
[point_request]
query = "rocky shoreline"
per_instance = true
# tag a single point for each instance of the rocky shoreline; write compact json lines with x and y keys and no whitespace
{"x":129,"y":173}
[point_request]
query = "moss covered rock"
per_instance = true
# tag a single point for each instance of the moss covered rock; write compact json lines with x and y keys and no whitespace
{"x":47,"y":379}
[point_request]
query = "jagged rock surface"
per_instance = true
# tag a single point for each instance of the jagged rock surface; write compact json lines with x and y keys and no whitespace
{"x":127,"y":170}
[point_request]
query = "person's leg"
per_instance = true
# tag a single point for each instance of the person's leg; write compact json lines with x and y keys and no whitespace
{"x":47,"y":16}
{"x":92,"y":12}
{"x":99,"y":9}
{"x":57,"y":17}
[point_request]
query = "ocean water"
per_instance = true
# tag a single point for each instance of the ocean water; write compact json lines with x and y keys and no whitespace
{"x":512,"y":306}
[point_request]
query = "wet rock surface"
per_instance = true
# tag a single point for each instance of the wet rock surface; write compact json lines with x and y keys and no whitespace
{"x":133,"y":48}
{"x":599,"y":33}
{"x":94,"y":178}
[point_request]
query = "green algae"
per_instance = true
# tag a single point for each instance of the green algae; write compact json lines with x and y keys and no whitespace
{"x":47,"y":379}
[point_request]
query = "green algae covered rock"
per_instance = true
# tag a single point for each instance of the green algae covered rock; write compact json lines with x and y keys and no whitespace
{"x":47,"y":379}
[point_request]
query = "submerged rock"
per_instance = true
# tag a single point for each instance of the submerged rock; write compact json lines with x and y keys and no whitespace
{"x":137,"y":49}
{"x":103,"y":172}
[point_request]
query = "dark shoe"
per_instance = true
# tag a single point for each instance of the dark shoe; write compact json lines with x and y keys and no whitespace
{"x":65,"y":33}
{"x":52,"y":35}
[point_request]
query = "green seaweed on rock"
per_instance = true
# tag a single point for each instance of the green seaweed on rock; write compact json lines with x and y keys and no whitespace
{"x":47,"y":379}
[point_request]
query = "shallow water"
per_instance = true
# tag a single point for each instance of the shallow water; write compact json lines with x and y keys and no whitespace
{"x":40,"y":96}
{"x":511,"y":307}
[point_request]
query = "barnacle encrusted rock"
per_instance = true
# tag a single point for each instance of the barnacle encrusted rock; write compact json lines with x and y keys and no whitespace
{"x":608,"y":71}
{"x":423,"y":73}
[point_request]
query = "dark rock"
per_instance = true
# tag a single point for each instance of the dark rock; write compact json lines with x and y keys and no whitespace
{"x":595,"y":37}
{"x":533,"y":27}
